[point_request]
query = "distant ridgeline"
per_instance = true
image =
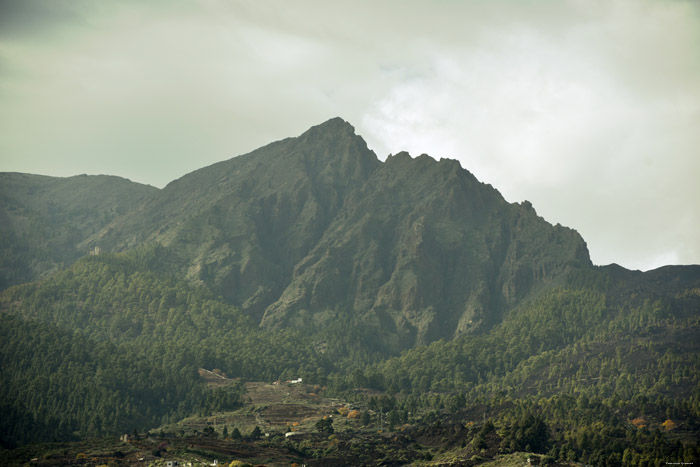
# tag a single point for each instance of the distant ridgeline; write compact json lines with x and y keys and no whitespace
{"x":310,"y":258}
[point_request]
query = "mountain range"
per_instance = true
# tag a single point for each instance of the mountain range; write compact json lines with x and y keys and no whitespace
{"x":305,"y":228}
{"x":310,"y":256}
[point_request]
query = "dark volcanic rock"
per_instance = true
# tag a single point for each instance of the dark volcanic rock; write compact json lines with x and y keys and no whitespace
{"x":308,"y":229}
{"x":424,"y":250}
{"x":242,"y":225}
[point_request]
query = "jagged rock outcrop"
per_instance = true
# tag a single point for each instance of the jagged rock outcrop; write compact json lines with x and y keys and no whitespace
{"x":308,"y":229}
{"x":424,"y":250}
{"x":242,"y":225}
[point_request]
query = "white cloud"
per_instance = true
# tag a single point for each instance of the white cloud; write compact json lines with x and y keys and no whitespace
{"x":546,"y":116}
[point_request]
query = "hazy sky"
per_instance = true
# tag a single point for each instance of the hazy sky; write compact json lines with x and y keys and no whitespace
{"x":589,"y":109}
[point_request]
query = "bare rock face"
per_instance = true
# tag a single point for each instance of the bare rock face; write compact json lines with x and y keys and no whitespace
{"x":423,"y":251}
{"x":242,"y":225}
{"x":309,"y":229}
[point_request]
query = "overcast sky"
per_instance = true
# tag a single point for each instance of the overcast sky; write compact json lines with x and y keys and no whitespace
{"x":589,"y":109}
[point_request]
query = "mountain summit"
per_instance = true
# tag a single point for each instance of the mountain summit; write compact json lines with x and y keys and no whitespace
{"x":310,"y":229}
{"x":240,"y":226}
{"x":424,"y":250}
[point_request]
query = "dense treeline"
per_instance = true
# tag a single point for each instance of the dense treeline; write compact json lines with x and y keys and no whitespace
{"x":117,"y":298}
{"x":564,"y":338}
{"x":108,"y":346}
{"x":615,"y":385}
{"x":64,"y":384}
{"x":581,"y":374}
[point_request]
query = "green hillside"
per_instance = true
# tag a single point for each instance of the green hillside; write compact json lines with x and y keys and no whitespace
{"x":113,"y":344}
{"x":44,"y":221}
{"x":109,"y":346}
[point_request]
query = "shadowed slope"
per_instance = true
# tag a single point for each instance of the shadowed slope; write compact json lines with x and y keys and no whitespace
{"x":424,"y":251}
{"x":44,"y":221}
{"x":241,"y":225}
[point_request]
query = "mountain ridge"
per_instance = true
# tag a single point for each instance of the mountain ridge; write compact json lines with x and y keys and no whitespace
{"x":43,"y":219}
{"x":312,"y":227}
{"x":274,"y":211}
{"x":406,"y":287}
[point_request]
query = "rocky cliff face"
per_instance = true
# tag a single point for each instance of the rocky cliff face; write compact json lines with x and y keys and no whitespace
{"x":242,"y":225}
{"x":426,"y":251}
{"x":310,"y":228}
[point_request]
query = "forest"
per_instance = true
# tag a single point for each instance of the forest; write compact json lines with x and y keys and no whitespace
{"x":113,"y":344}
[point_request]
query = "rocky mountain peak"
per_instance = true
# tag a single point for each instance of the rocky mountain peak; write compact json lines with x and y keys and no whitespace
{"x":334,"y":146}
{"x":334,"y":127}
{"x":416,"y":246}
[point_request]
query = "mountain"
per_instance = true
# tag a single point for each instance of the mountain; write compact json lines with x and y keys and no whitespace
{"x":241,"y":226}
{"x":44,"y":220}
{"x":426,"y":251}
{"x":306,"y":228}
{"x":406,"y":286}
{"x":309,"y":230}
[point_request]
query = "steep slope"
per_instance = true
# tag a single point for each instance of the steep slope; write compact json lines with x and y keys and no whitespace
{"x":45,"y":220}
{"x":313,"y":230}
{"x":304,"y":228}
{"x":534,"y":345}
{"x":424,"y":251}
{"x":241,"y":225}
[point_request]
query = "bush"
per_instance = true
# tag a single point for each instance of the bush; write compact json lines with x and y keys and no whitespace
{"x":325,"y":425}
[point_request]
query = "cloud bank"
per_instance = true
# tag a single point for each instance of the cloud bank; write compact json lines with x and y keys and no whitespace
{"x":589,"y":109}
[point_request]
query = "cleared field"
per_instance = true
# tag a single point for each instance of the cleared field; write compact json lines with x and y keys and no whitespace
{"x":274,"y":408}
